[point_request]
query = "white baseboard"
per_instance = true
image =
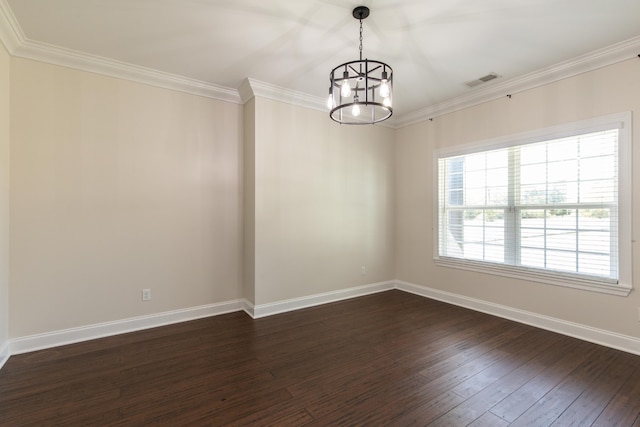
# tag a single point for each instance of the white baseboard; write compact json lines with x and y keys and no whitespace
{"x":270,"y":309}
{"x":101,"y":330}
{"x":84,"y":333}
{"x":586,"y":333}
{"x":248,"y":308}
{"x":4,"y":353}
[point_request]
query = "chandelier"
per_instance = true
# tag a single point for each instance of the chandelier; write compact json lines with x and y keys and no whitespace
{"x":361,"y":91}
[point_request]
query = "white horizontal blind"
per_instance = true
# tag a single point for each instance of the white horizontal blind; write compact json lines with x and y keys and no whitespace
{"x":550,"y":205}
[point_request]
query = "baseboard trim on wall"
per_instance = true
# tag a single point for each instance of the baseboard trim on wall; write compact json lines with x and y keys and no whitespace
{"x":586,"y":333}
{"x":278,"y":307}
{"x":4,"y":353}
{"x":100,"y":330}
{"x":69,"y":336}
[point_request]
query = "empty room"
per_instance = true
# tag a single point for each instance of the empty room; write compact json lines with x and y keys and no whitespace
{"x":319,"y":213}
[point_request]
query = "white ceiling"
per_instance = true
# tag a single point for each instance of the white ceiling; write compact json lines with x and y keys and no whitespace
{"x":434,"y":46}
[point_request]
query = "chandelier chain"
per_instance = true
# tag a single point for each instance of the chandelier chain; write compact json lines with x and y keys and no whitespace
{"x":360,"y":39}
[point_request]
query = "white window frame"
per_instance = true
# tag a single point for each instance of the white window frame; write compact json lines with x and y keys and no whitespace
{"x":624,"y":284}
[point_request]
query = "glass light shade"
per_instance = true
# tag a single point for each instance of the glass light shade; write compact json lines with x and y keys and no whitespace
{"x":384,"y":89}
{"x":346,"y":89}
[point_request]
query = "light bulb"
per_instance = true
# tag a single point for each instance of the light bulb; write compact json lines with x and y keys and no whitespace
{"x":386,"y":102}
{"x":384,"y":89}
{"x":346,"y":89}
{"x":356,"y":110}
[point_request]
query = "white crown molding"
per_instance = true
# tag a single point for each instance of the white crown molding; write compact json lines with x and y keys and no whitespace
{"x":94,"y":64}
{"x":11,"y":34}
{"x":251,"y":87}
{"x":609,"y":55}
{"x":18,"y":45}
{"x":586,"y":333}
{"x":100,"y":330}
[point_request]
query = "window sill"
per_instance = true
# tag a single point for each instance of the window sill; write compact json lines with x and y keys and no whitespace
{"x":556,"y":278}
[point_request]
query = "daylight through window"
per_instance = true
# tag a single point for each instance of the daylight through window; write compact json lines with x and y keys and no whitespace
{"x":547,"y":206}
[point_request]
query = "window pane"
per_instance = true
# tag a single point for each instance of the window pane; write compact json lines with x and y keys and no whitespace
{"x":532,"y":258}
{"x":475,"y":196}
{"x":561,"y":261}
{"x":597,"y":168}
{"x":561,"y":193}
{"x":598,"y":265}
{"x":475,"y":162}
{"x":532,"y":228}
{"x":597,"y":192}
{"x":595,"y":231}
{"x":476,"y":179}
{"x":497,"y":159}
{"x":494,"y":253}
{"x":474,"y":251}
{"x":561,"y":239}
{"x":533,"y":173}
{"x":563,"y":171}
{"x":551,"y":204}
{"x":497,"y":177}
{"x":533,"y":194}
{"x":594,"y":241}
{"x":533,"y":153}
{"x":497,"y":196}
{"x":562,"y":149}
{"x":476,"y":234}
{"x":598,"y":144}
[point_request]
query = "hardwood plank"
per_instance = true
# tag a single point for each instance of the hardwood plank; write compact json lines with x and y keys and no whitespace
{"x":426,"y":412}
{"x":526,"y":396}
{"x":590,"y":404}
{"x":386,"y":359}
{"x":520,"y":351}
{"x":514,"y":377}
{"x":488,"y":420}
{"x":283,"y":414}
{"x":474,"y":337}
{"x":344,"y":377}
{"x":548,"y":408}
{"x":624,"y":407}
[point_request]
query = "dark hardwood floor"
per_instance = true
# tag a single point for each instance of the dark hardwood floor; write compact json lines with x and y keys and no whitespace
{"x":387,"y":359}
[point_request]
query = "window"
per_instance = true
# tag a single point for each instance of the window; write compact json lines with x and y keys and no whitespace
{"x":551,"y":206}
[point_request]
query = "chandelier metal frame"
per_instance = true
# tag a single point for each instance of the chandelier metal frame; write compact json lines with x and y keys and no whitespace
{"x":361,"y":91}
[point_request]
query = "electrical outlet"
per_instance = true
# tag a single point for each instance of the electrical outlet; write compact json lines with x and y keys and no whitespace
{"x":363,"y":269}
{"x":146,"y":294}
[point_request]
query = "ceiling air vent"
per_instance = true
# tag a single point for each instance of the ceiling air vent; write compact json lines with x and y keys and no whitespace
{"x":483,"y":79}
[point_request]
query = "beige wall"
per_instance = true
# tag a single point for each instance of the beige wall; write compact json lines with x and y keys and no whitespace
{"x":249,"y":216}
{"x":118,"y":186}
{"x":5,"y":65}
{"x":323,"y":203}
{"x":115,"y":187}
{"x":605,"y":91}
